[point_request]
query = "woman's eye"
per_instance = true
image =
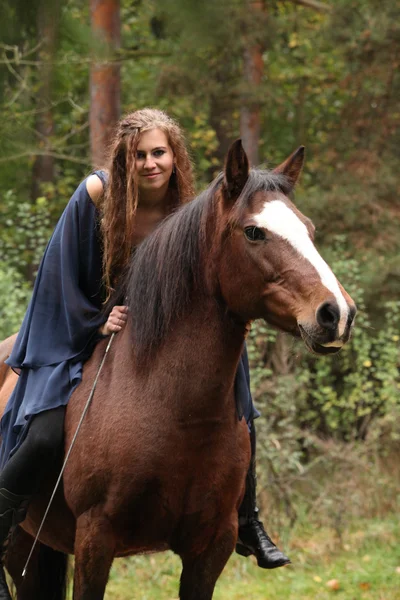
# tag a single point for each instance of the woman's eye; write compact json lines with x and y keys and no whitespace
{"x":254,"y":234}
{"x":140,"y":155}
{"x":159,"y":152}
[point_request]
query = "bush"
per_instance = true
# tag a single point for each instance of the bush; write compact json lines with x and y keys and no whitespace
{"x":14,"y":298}
{"x":22,"y":242}
{"x":317,"y":411}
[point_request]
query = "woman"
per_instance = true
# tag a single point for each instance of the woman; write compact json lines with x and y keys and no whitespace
{"x":149,"y":175}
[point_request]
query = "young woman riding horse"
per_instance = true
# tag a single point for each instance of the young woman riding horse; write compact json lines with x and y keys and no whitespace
{"x":161,"y":459}
{"x":148,"y":176}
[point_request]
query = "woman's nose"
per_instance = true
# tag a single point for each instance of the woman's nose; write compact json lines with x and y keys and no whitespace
{"x":149,"y":163}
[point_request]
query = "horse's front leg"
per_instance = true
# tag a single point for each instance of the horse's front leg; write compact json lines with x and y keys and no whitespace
{"x":94,"y":554}
{"x":19,"y":547}
{"x":201,"y":571}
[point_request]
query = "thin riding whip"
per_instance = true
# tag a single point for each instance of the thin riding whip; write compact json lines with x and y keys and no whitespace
{"x":69,"y":452}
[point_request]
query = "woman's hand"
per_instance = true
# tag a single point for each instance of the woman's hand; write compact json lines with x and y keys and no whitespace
{"x":116,"y":320}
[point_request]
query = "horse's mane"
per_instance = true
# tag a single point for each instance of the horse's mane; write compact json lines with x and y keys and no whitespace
{"x":166,"y":267}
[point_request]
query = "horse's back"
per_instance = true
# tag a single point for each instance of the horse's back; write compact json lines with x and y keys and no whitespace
{"x":8,"y":378}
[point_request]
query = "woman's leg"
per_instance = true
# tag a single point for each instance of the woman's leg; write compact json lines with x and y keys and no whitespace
{"x":26,"y":469}
{"x":253,"y":539}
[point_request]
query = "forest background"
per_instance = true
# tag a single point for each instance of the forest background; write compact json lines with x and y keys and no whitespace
{"x":278,"y":73}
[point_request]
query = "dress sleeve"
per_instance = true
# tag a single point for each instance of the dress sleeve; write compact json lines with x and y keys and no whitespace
{"x":65,"y":313}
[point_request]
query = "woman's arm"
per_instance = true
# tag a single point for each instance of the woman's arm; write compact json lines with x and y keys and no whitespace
{"x":94,"y":188}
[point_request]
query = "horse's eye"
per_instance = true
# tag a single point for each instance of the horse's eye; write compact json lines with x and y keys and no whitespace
{"x":254,"y":234}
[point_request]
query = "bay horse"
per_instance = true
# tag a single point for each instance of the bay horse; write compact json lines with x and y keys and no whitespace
{"x":161,"y":459}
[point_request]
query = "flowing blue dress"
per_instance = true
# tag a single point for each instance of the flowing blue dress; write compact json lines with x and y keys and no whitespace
{"x":61,"y":325}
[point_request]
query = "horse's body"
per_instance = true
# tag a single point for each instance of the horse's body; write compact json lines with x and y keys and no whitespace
{"x":161,"y":459}
{"x":164,"y":474}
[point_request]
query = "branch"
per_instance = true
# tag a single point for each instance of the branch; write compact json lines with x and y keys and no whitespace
{"x":44,"y":153}
{"x":61,"y":141}
{"x":119,"y":57}
{"x":38,"y":111}
{"x":319,"y":6}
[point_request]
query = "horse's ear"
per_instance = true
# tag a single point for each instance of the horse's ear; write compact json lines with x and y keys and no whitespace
{"x":292,"y":166}
{"x":236,"y":170}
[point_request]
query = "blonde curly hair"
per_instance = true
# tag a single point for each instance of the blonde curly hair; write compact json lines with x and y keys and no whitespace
{"x":119,"y":202}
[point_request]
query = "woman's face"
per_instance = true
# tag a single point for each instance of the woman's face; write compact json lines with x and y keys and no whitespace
{"x":154,"y":162}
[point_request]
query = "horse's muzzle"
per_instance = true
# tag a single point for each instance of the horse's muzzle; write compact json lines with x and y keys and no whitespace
{"x":328,"y":334}
{"x":316,"y":347}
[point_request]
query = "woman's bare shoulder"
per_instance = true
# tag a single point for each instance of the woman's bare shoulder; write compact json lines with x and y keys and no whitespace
{"x":94,"y":188}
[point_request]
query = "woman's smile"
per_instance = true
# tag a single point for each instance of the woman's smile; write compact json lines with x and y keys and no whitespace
{"x":151,"y":175}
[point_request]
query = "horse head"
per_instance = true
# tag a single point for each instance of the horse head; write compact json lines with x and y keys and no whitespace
{"x":268,"y":266}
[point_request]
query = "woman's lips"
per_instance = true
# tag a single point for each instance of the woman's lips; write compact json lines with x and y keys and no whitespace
{"x":150,"y":175}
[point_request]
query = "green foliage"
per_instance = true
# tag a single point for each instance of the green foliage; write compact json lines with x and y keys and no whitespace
{"x":14,"y":296}
{"x":326,"y":420}
{"x":336,"y":397}
{"x":344,"y":396}
{"x":25,"y":231}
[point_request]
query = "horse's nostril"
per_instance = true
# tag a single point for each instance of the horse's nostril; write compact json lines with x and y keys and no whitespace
{"x":352,"y":314}
{"x":328,"y":315}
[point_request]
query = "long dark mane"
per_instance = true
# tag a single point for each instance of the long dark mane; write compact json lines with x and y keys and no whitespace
{"x":169,"y":265}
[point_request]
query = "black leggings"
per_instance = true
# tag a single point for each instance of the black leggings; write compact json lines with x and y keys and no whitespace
{"x":27,"y":468}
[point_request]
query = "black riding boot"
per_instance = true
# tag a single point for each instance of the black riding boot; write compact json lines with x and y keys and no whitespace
{"x":12,"y":511}
{"x":4,"y":591}
{"x":252,"y":537}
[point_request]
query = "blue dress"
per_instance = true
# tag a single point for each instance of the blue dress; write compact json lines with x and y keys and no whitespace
{"x":61,"y":325}
{"x":60,"y":328}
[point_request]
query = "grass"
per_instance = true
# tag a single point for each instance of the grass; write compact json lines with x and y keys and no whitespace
{"x":365,"y":567}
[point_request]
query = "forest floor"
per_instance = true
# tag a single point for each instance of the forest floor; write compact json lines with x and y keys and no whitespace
{"x":363,"y":565}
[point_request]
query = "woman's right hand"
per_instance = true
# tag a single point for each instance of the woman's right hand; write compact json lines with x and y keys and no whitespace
{"x":116,"y":320}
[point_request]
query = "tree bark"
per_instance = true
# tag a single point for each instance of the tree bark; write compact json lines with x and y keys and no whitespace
{"x":250,"y":113}
{"x":220,"y":120}
{"x":300,"y":112}
{"x":47,"y":28}
{"x":105,"y":79}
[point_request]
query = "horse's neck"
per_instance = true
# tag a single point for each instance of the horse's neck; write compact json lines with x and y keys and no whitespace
{"x":208,"y":338}
{"x":201,"y":353}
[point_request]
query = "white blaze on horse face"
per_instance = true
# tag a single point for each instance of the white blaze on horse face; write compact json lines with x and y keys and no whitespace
{"x":281,"y":220}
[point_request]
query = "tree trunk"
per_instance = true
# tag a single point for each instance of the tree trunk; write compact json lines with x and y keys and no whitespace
{"x":222,"y":103}
{"x":300,"y":112}
{"x":47,"y":28}
{"x":250,"y":113}
{"x":43,"y":169}
{"x":105,"y":80}
{"x":220,"y":120}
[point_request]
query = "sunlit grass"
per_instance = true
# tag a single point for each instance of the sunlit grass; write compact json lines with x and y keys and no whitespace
{"x":366,"y":567}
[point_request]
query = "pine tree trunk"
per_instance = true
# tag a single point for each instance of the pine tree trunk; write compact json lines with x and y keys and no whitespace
{"x":47,"y":28}
{"x":105,"y":81}
{"x":43,"y":169}
{"x":250,"y":113}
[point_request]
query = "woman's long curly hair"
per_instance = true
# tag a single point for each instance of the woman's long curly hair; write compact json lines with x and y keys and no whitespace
{"x":119,"y":202}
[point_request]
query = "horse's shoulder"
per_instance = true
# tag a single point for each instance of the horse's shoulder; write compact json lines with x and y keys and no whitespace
{"x":91,"y":366}
{"x":6,"y":347}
